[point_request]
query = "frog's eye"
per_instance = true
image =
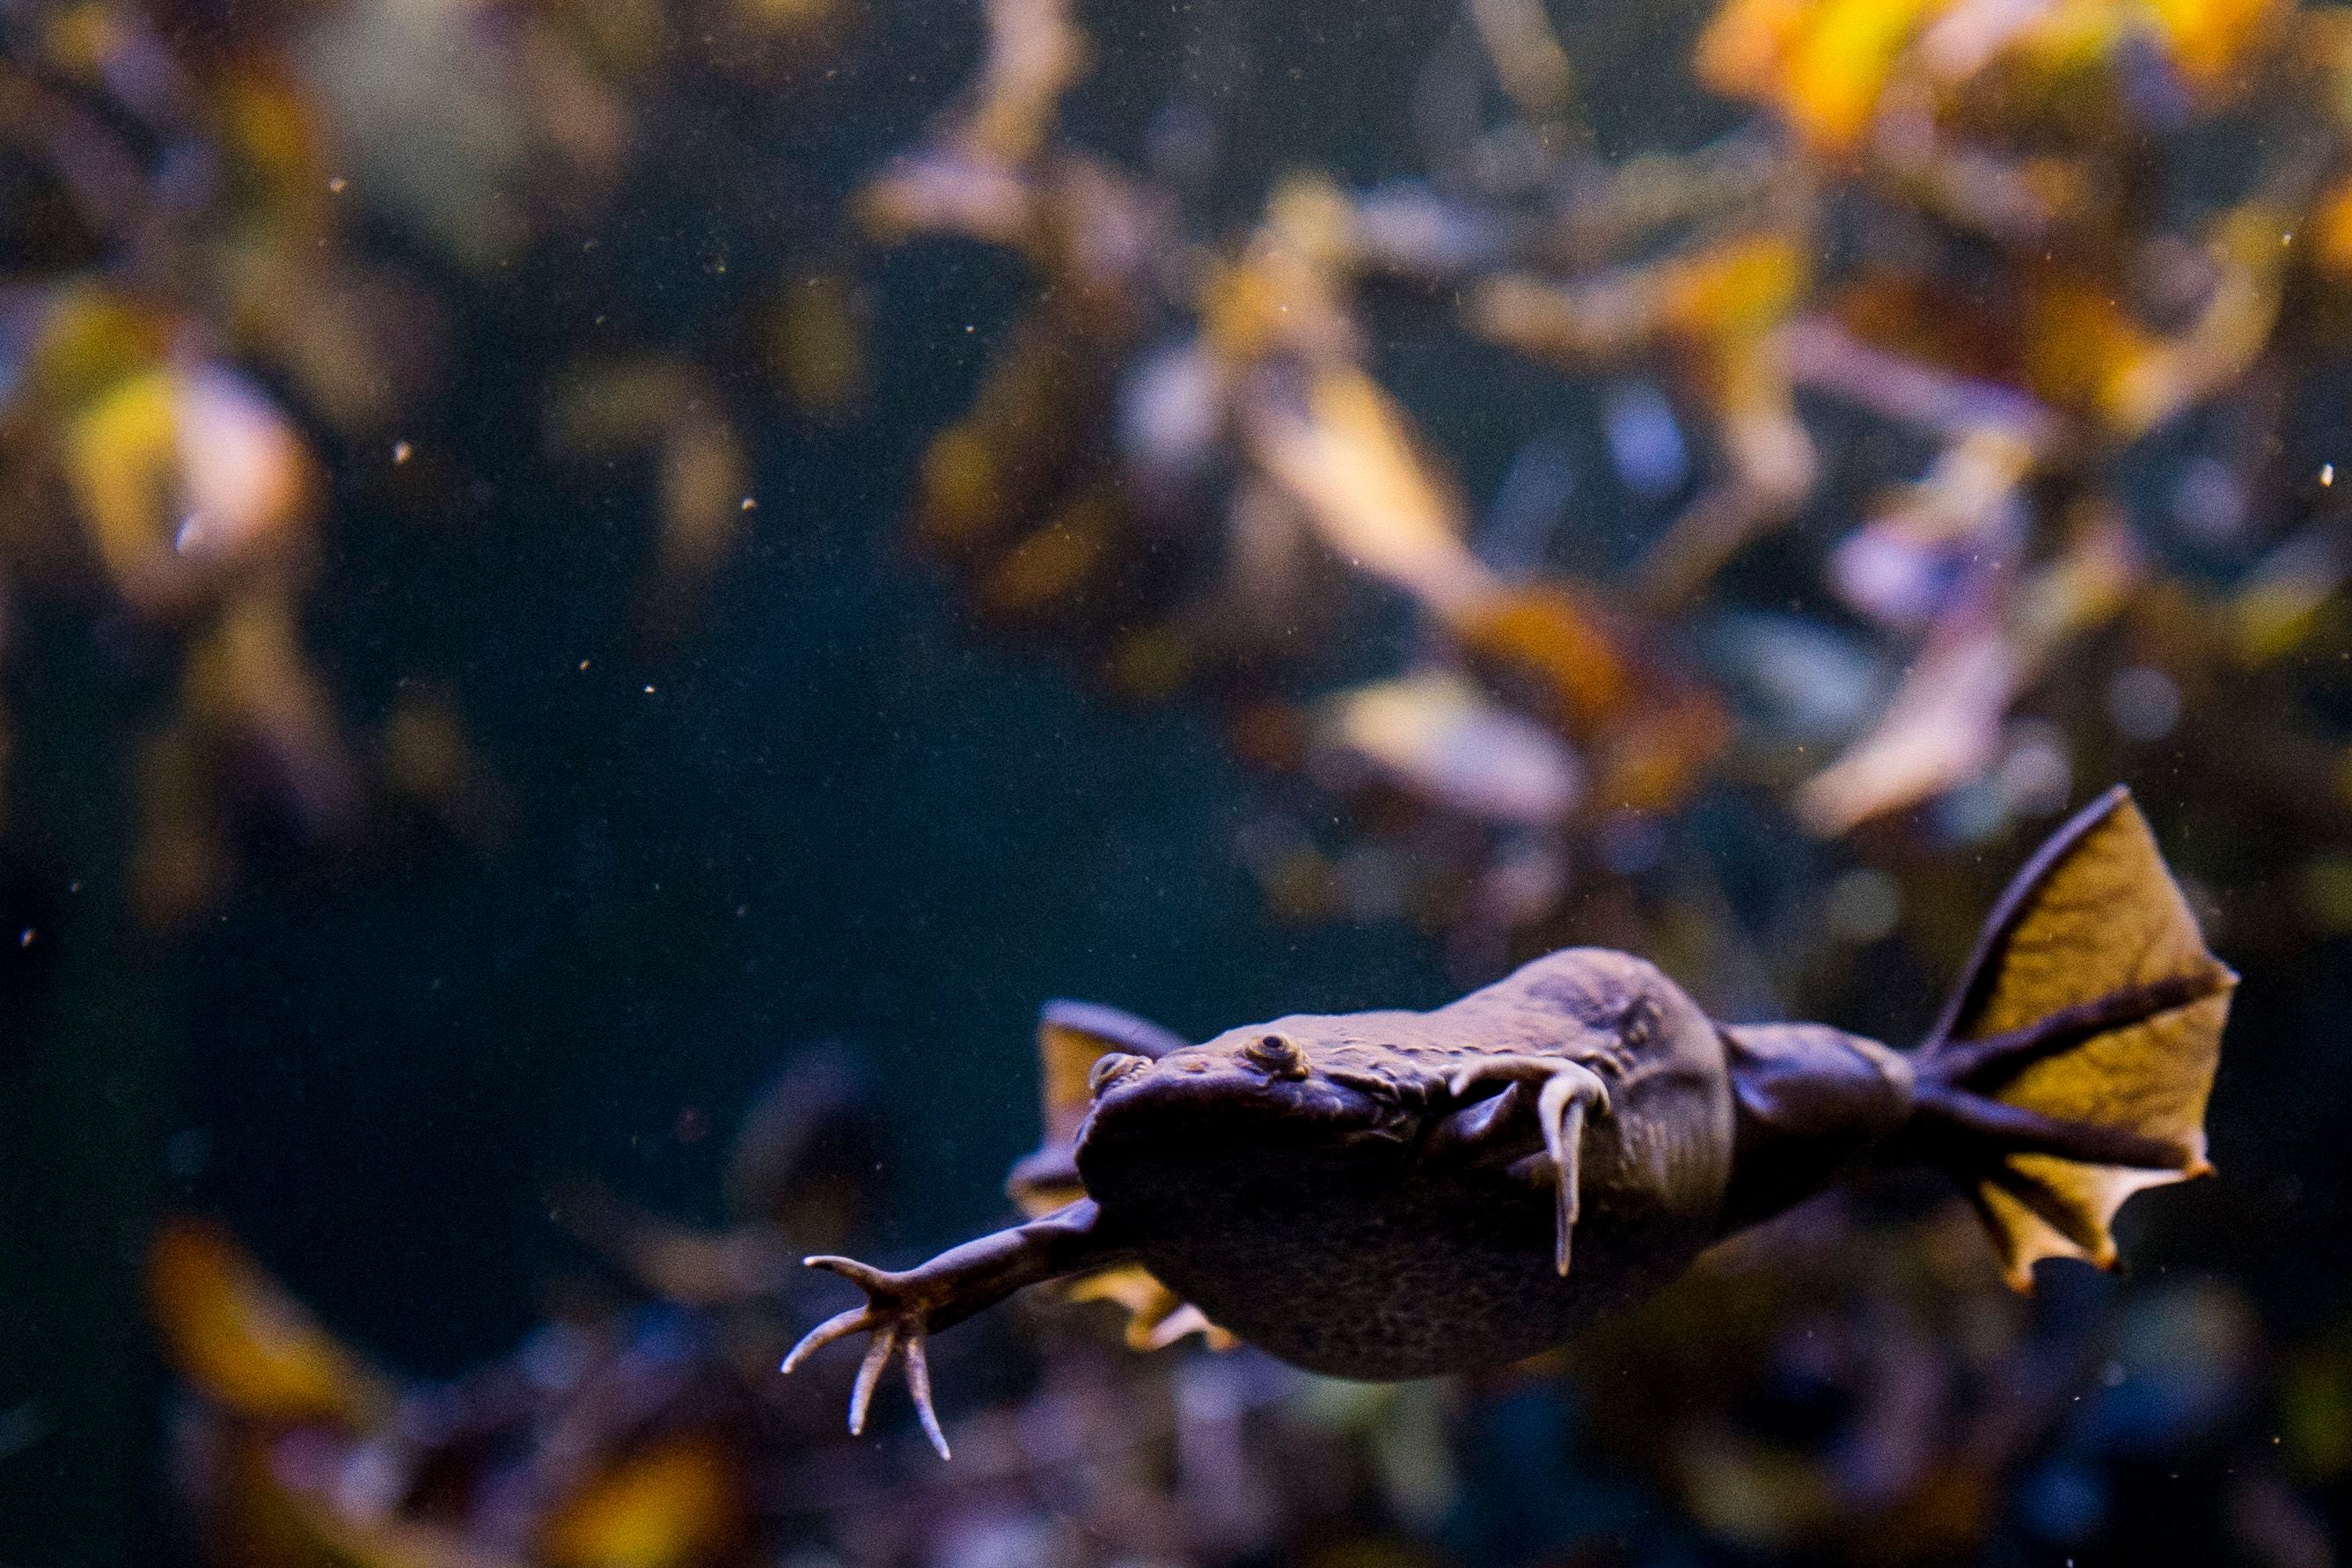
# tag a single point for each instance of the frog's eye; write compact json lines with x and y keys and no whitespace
{"x":1276,"y":1055}
{"x":1111,"y":1067}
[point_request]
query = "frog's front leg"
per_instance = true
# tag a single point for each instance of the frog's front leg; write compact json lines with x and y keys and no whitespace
{"x":902,"y":1309}
{"x":1566,"y":1091}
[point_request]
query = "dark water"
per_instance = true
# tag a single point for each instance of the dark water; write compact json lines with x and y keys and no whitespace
{"x":833,"y":807}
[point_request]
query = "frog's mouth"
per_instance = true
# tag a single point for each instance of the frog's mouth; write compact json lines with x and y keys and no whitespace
{"x":1211,"y":1100}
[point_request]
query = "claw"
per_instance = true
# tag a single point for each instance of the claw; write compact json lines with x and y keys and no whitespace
{"x":897,"y":1326}
{"x":869,"y":1373}
{"x":919,"y":1383}
{"x":839,"y":1326}
{"x":1477,"y":1123}
{"x":1570,"y":1089}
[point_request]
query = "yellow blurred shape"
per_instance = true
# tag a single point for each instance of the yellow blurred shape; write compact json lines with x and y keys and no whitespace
{"x":1034,"y":54}
{"x":1349,"y":460}
{"x":2325,"y":885}
{"x":961,"y":485}
{"x":1151,"y":662}
{"x":1823,"y":64}
{"x":233,"y":1332}
{"x":2315,"y":1405}
{"x":816,"y":351}
{"x":92,"y":338}
{"x":1526,"y":52}
{"x":674,"y":1504}
{"x":2281,"y":601}
{"x":177,"y":469}
{"x":426,"y":753}
{"x":2211,"y":40}
{"x":786,"y":15}
{"x":1735,"y":290}
{"x":1441,"y":738}
{"x":121,"y":457}
{"x":81,"y":39}
{"x":597,"y":405}
{"x":276,"y":132}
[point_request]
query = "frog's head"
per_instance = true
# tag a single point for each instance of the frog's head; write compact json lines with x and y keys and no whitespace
{"x":1303,"y":1083}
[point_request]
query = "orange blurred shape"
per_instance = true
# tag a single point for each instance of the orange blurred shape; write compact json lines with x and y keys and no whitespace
{"x":231,"y":1331}
{"x":598,"y":404}
{"x":705,"y":477}
{"x":993,"y":468}
{"x":2333,"y":222}
{"x":1056,"y":564}
{"x":248,"y":681}
{"x":1281,"y":296}
{"x":252,"y":1518}
{"x":2081,"y":346}
{"x":182,"y":858}
{"x":678,"y":1501}
{"x":1652,"y":763}
{"x":1922,"y":318}
{"x":1268,"y":734}
{"x":1822,"y":64}
{"x":1550,"y":634}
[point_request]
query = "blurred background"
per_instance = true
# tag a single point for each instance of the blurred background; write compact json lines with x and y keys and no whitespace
{"x":599,"y":600}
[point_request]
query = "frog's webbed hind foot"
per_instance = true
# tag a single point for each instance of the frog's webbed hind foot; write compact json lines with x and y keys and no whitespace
{"x":1565,"y":1091}
{"x":898,"y":1317}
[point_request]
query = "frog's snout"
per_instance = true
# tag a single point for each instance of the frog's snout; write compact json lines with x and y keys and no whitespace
{"x":1111,"y":1067}
{"x":1267,"y":1084}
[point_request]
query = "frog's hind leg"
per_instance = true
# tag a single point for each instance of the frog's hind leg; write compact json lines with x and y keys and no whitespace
{"x":2072,"y":1066}
{"x":1565,"y":1091}
{"x":1073,"y":1040}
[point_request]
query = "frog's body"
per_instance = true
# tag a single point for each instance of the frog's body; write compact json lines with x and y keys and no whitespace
{"x":1393,"y":1194}
{"x":1254,"y":1183}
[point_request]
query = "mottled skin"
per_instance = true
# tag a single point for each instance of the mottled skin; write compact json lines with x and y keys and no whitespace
{"x":1393,"y":1194}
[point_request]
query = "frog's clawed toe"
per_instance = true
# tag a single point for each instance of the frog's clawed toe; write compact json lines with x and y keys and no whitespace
{"x":898,"y":1320}
{"x":1567,"y":1091}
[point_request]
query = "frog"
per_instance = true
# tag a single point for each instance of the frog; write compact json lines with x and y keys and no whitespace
{"x":1392,"y":1193}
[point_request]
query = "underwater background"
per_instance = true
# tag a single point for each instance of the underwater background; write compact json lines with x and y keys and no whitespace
{"x":599,"y":599}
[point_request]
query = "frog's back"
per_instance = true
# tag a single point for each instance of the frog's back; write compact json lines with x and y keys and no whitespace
{"x":1663,"y":1149}
{"x":1387,"y":1257}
